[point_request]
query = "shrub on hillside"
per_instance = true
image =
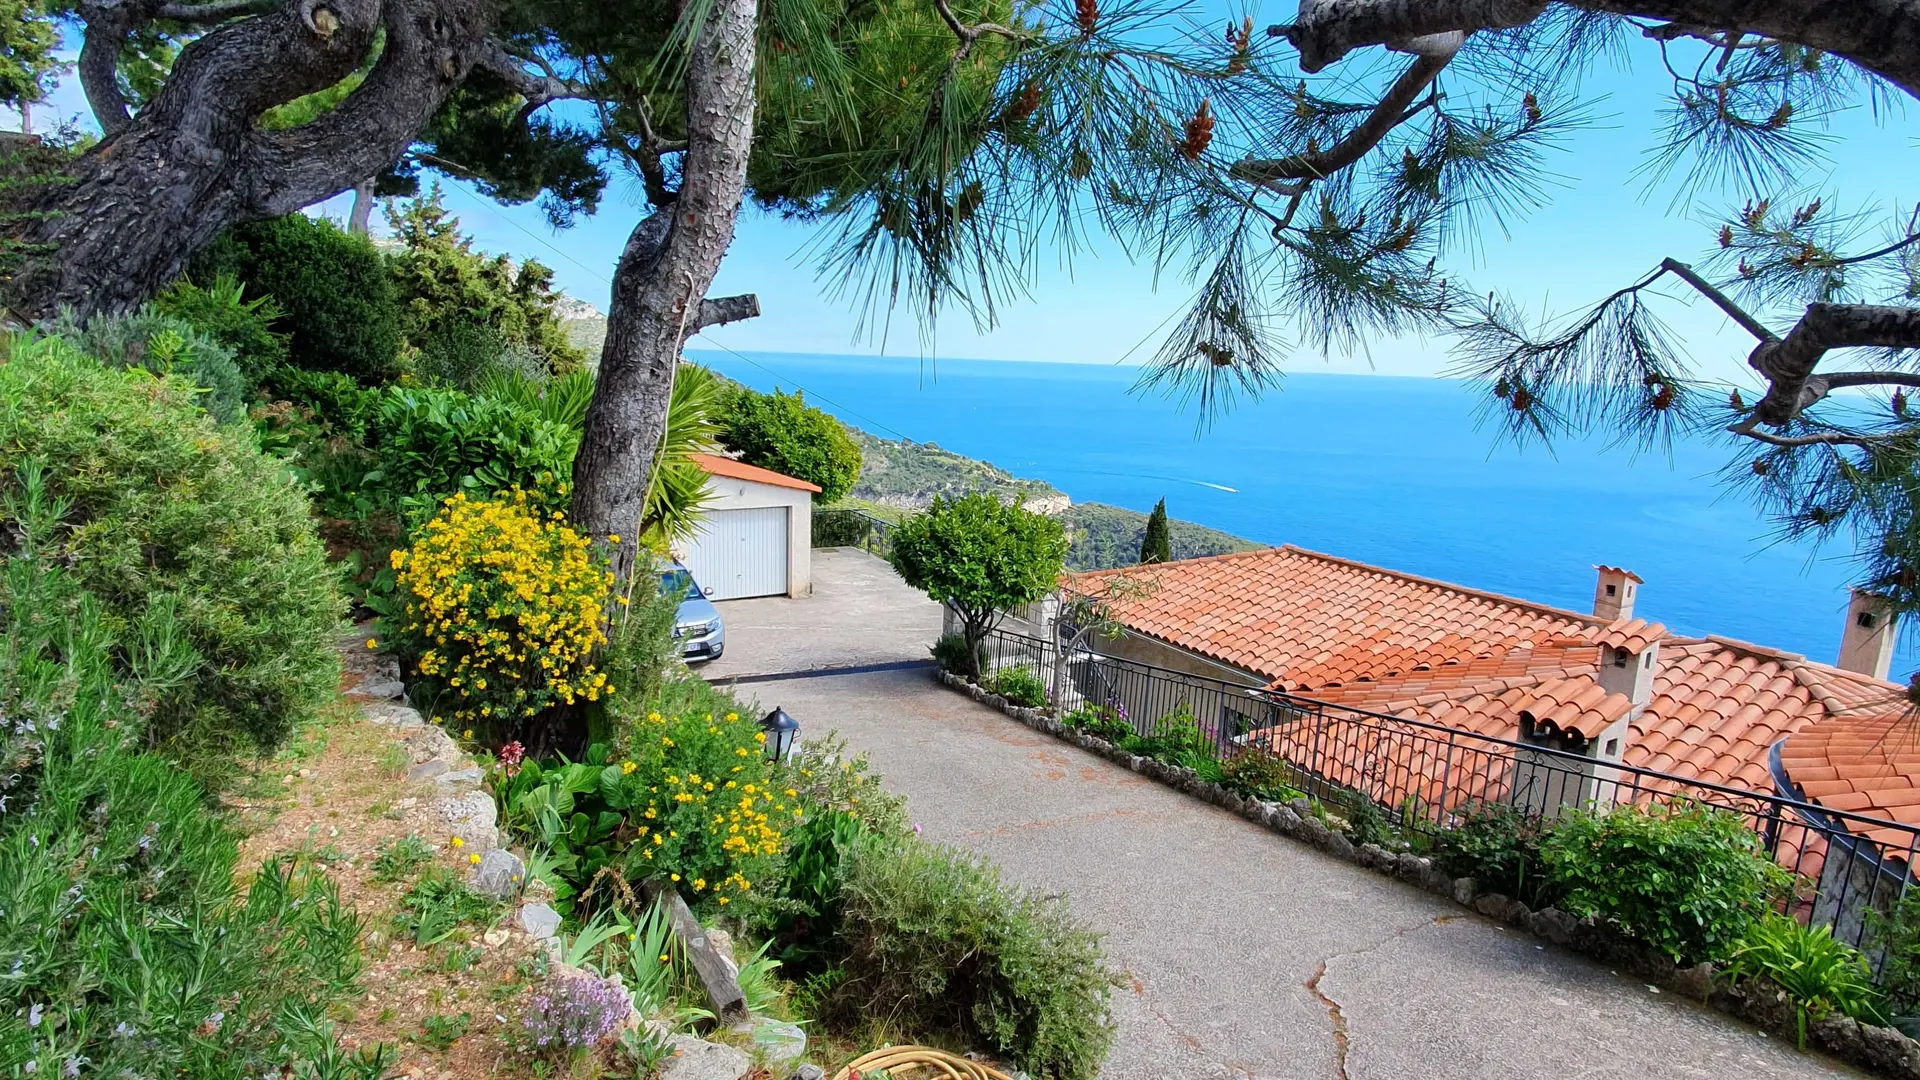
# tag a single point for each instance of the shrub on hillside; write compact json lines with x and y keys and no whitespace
{"x":221,"y":311}
{"x":1688,"y":880}
{"x":164,"y":345}
{"x":782,"y":432}
{"x":332,"y":287}
{"x":935,"y":942}
{"x":127,"y":948}
{"x":501,"y":613}
{"x":160,"y":510}
{"x":472,"y":309}
{"x":436,"y":443}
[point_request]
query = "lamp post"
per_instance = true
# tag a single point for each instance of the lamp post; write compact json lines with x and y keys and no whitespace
{"x":781,"y":731}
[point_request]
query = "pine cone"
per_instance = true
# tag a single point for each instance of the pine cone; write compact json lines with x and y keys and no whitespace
{"x":1663,"y":398}
{"x":1736,"y":402}
{"x":1087,"y":14}
{"x":1522,"y":401}
{"x":1899,"y":403}
{"x":1760,"y":466}
{"x":1025,"y":104}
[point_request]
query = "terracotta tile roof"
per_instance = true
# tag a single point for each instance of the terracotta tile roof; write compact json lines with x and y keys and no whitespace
{"x":1632,"y":635}
{"x":1605,"y":569}
{"x":1865,"y":763}
{"x":715,"y":465}
{"x":1367,"y":638}
{"x":1309,"y":621}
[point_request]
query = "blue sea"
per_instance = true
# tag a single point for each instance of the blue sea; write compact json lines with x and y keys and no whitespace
{"x":1390,"y":471}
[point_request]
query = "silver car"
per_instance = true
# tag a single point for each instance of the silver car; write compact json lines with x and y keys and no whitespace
{"x":697,"y":628}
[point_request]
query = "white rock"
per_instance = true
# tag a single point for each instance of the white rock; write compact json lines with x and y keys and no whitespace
{"x":540,"y":920}
{"x":499,"y":874}
{"x":697,"y":1059}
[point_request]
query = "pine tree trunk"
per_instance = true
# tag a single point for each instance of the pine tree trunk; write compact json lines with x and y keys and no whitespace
{"x":195,"y":160}
{"x":658,"y":289}
{"x":362,"y":207}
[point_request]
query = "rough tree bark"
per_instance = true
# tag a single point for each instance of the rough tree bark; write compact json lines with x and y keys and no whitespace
{"x":660,"y":285}
{"x":195,"y":161}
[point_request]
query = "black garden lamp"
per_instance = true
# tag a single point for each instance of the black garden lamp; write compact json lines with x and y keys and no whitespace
{"x":781,"y":730}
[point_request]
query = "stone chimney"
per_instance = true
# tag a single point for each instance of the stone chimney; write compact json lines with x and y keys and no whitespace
{"x":1866,"y":646}
{"x":1613,"y":594}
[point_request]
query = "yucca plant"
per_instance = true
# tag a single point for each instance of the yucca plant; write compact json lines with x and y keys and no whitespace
{"x":1819,"y":974}
{"x":677,"y":493}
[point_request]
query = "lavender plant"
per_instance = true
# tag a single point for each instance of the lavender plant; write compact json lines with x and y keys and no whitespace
{"x":573,"y":1013}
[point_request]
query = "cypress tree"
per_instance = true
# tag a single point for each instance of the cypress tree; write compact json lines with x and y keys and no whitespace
{"x":1156,"y":545}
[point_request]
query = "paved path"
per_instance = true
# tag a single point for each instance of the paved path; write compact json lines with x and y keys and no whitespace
{"x":860,"y":613}
{"x":1248,"y":954}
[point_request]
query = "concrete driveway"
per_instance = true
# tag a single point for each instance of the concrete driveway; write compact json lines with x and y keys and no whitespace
{"x":860,"y":614}
{"x":1249,"y":955}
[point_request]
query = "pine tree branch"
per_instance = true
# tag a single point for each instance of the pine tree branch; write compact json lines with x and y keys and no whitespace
{"x":723,"y":310}
{"x":1329,"y":29}
{"x":1396,"y":107}
{"x":1881,"y":36}
{"x":1788,"y":363}
{"x":1720,"y":300}
{"x":538,"y":89}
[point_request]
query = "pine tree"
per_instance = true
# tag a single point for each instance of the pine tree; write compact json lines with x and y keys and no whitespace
{"x":1156,"y":545}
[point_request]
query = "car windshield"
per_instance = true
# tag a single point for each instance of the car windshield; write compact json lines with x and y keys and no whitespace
{"x":676,"y":582}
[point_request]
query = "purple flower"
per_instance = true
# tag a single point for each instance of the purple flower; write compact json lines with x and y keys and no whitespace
{"x":574,"y":1012}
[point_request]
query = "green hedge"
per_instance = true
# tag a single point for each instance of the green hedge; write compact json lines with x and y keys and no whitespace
{"x":160,"y":511}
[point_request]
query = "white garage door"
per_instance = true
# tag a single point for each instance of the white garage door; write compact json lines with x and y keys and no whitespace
{"x":741,"y":553}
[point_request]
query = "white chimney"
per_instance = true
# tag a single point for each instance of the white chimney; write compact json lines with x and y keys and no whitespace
{"x":1866,"y":646}
{"x":1613,"y":594}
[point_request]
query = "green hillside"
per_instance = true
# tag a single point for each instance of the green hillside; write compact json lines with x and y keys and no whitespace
{"x":1100,"y":537}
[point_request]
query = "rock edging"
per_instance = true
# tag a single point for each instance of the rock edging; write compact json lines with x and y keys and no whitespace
{"x":1882,"y":1050}
{"x":373,"y":682}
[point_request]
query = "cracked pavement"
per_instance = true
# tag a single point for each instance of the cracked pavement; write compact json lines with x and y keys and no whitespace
{"x":1219,"y":927}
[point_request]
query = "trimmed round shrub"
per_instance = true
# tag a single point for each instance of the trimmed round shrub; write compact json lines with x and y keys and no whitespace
{"x":502,"y":611}
{"x":158,"y":509}
{"x":784,"y":433}
{"x":332,"y":288}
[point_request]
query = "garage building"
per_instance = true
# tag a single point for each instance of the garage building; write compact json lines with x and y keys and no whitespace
{"x":757,"y":539}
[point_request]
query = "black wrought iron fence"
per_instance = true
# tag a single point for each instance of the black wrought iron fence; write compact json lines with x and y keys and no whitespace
{"x":1424,"y":777}
{"x":846,"y":527}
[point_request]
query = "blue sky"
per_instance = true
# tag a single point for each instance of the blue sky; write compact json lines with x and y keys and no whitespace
{"x":1602,"y":228}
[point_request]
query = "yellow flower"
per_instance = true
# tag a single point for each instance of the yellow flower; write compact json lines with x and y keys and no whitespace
{"x":613,"y":539}
{"x":627,"y":767}
{"x":457,"y":842}
{"x":675,"y":877}
{"x":474,"y":859}
{"x":663,"y":958}
{"x":468,"y":734}
{"x":372,"y":643}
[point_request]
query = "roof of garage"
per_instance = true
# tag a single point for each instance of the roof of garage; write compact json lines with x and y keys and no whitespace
{"x":716,"y":465}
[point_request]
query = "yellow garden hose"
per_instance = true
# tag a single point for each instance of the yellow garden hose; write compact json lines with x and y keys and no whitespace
{"x":918,"y":1061}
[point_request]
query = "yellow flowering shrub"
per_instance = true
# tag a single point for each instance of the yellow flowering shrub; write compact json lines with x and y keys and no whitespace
{"x":705,"y":805}
{"x":502,"y":609}
{"x":688,"y":798}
